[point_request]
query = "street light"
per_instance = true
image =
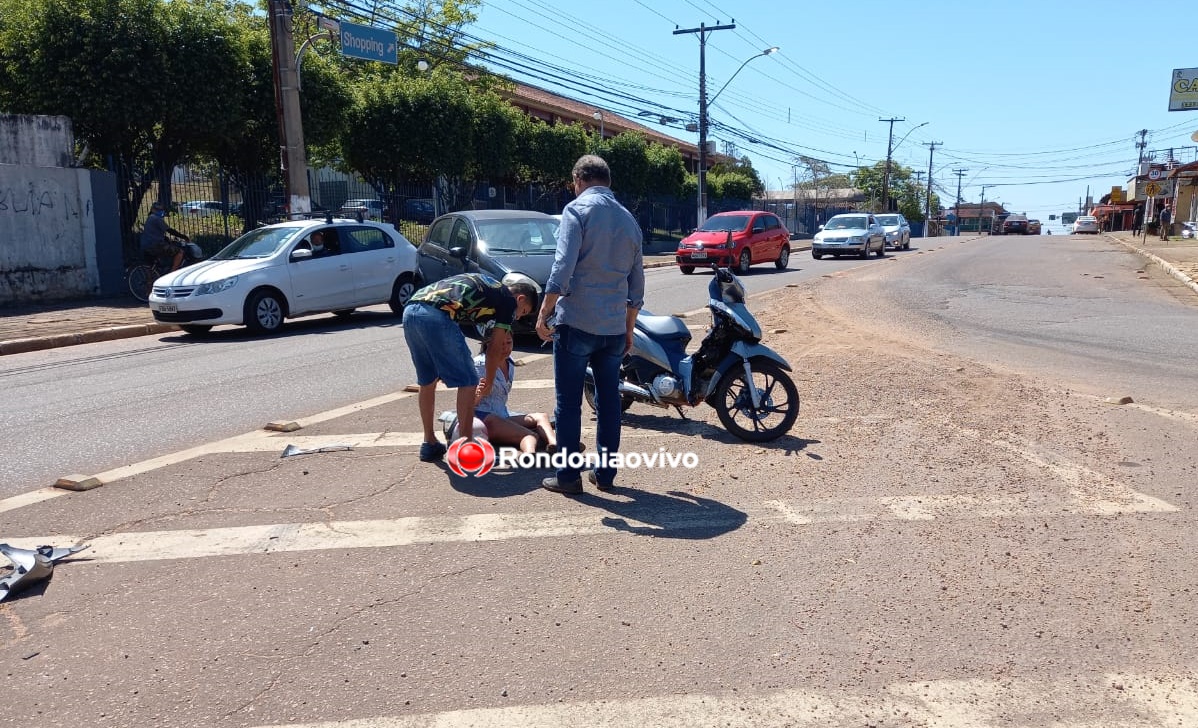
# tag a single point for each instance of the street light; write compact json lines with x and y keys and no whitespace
{"x":598,"y":116}
{"x":703,"y":124}
{"x":886,"y":175}
{"x":701,"y":176}
{"x":766,"y":52}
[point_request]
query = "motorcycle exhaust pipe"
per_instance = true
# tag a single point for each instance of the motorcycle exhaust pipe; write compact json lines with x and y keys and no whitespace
{"x":640,"y":394}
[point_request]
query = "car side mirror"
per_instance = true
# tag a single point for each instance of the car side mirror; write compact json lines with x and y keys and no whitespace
{"x":821,"y":227}
{"x":301,"y":254}
{"x":458,"y":252}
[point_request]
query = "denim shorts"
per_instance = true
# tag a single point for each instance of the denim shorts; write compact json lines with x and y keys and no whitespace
{"x":438,"y":347}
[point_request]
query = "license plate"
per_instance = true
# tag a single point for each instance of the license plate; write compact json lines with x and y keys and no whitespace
{"x":699,"y":255}
{"x":168,"y":308}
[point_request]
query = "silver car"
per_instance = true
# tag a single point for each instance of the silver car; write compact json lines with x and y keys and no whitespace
{"x":853,"y":232}
{"x":897,"y":231}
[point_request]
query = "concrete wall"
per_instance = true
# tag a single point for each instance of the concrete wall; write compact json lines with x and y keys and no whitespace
{"x":47,"y":234}
{"x":59,"y":225}
{"x":36,"y":141}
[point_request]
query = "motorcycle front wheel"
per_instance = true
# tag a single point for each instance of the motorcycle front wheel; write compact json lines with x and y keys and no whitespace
{"x":733,"y":402}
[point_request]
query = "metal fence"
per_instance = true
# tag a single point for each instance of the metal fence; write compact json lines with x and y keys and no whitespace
{"x":213,"y":206}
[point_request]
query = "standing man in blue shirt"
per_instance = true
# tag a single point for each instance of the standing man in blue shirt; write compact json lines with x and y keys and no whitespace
{"x":594,"y":291}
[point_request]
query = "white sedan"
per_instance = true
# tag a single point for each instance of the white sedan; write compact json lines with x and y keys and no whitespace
{"x":276,"y":272}
{"x":1086,"y":224}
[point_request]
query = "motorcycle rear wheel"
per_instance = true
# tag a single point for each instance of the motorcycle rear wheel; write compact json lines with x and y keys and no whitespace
{"x":588,"y":393}
{"x":733,"y":402}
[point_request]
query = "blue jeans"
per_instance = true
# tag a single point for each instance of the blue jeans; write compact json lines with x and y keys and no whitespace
{"x":573,"y":350}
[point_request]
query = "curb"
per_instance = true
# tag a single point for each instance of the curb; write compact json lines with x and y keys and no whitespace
{"x":1164,"y":264}
{"x":21,"y":346}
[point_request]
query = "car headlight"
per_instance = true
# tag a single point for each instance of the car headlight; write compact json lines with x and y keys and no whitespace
{"x":857,"y":239}
{"x":216,"y":286}
{"x":514,"y":277}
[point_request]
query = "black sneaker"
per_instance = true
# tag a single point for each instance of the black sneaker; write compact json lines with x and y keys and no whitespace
{"x":431,"y":452}
{"x":552,"y":484}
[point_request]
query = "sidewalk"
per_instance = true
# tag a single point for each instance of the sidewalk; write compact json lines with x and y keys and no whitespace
{"x":68,"y":323}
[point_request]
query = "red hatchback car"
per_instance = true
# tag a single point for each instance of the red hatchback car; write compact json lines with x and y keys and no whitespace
{"x":736,"y":239}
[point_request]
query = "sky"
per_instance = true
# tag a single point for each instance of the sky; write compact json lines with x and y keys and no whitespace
{"x":1037,"y":102}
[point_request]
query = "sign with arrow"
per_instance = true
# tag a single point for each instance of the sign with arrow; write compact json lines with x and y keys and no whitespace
{"x":369,"y":44}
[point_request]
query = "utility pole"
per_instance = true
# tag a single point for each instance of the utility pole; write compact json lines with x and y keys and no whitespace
{"x":701,"y":175}
{"x":1141,"y":145}
{"x":981,"y":208}
{"x":960,"y":173}
{"x":292,"y":160}
{"x":927,"y":203}
{"x":886,"y":173}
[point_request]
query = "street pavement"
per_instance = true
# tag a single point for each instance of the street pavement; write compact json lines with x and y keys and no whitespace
{"x":36,"y":327}
{"x":791,"y":583}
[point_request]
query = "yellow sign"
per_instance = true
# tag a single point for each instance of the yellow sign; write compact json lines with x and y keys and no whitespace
{"x":1152,"y":189}
{"x":1116,"y":195}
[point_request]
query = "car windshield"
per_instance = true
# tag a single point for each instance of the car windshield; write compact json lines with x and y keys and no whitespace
{"x":888,"y":220}
{"x":260,"y":243}
{"x":724,"y":223}
{"x":846,"y":223}
{"x":524,"y":237}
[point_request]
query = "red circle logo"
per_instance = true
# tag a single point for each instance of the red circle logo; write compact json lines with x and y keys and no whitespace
{"x":470,"y":457}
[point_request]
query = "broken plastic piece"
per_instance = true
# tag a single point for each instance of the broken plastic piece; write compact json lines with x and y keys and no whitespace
{"x":291,"y":450}
{"x":30,"y":566}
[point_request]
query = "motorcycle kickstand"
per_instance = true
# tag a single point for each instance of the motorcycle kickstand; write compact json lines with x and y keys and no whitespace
{"x":680,"y":412}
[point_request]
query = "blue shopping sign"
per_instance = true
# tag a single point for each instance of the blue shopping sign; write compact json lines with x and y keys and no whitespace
{"x":369,"y":44}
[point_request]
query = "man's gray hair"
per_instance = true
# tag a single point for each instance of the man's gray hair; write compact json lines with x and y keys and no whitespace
{"x":592,"y":168}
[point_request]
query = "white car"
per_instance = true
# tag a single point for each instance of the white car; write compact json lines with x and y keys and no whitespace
{"x":271,"y":274}
{"x":1085,"y":224}
{"x":853,"y":232}
{"x":201,"y":208}
{"x":896,"y":229}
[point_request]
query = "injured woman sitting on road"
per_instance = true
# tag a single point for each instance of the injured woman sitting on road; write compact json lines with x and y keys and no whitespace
{"x":525,"y":431}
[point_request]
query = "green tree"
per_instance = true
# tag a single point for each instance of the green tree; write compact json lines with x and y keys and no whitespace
{"x":627,"y":156}
{"x":667,"y":170}
{"x":547,"y":152}
{"x":744,"y":167}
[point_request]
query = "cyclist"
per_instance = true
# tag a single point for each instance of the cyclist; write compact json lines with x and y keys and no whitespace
{"x":154,"y":240}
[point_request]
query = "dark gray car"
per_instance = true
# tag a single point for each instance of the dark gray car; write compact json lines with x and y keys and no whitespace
{"x":508,"y":245}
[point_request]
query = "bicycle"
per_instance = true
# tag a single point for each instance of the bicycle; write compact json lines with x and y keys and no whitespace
{"x":140,"y":278}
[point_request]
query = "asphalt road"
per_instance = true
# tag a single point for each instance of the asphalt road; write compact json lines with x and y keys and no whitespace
{"x":86,"y":409}
{"x":942,"y":540}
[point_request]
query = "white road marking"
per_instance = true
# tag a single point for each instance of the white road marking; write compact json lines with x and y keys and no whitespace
{"x":1121,"y":701}
{"x":406,"y":531}
{"x":1093,"y":492}
{"x":28,"y":499}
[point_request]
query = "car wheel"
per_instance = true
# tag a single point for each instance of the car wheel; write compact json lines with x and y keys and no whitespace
{"x":907,"y":244}
{"x":686,"y":269}
{"x":783,"y":258}
{"x":816,"y":255}
{"x":882,"y":251}
{"x":864,"y":251}
{"x":264,"y":312}
{"x":746,"y":260}
{"x":195,"y":329}
{"x":401,"y":291}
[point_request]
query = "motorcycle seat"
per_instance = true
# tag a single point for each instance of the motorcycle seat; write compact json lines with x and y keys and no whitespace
{"x":662,"y":327}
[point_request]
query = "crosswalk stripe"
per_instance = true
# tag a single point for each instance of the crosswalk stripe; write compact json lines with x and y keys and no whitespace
{"x":1118,"y":701}
{"x":406,"y":531}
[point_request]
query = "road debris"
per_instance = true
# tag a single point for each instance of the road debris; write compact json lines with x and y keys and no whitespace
{"x":30,"y":566}
{"x":292,"y":450}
